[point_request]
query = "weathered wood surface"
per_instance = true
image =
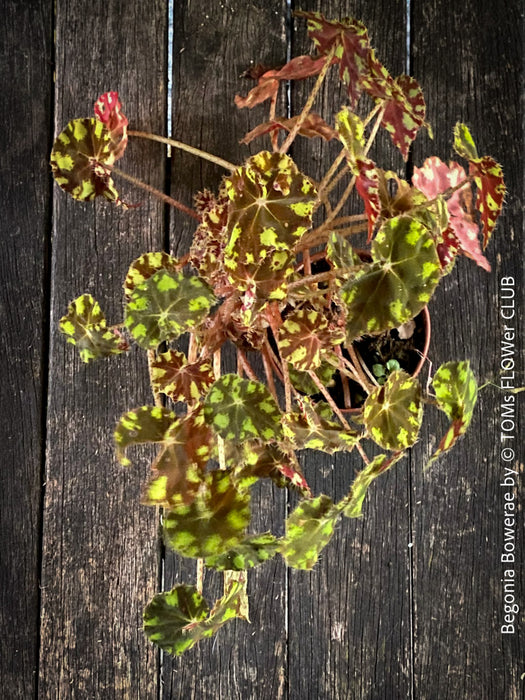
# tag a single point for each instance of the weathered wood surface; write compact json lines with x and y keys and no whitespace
{"x":408,"y":602}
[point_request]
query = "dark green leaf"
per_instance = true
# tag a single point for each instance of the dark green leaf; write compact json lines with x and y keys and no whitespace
{"x":178,"y":619}
{"x":253,"y":550}
{"x":242,"y":409}
{"x":166,"y":305}
{"x":456,"y":394}
{"x":172,"y":619}
{"x":397,"y":284}
{"x":214,"y":522}
{"x":308,"y":530}
{"x":393,"y":412}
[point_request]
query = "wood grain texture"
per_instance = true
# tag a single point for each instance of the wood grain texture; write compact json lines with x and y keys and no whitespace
{"x":214,"y":43}
{"x":100,"y":559}
{"x":26,"y":96}
{"x":349,"y":629}
{"x":469,"y":58}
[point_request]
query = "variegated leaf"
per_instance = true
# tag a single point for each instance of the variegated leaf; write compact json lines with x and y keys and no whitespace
{"x":313,"y":125}
{"x":308,"y":530}
{"x":214,"y":522}
{"x":252,"y":551}
{"x":186,"y":446}
{"x":399,"y":282}
{"x":312,"y":428}
{"x":85,"y":326}
{"x":306,"y":338}
{"x":352,"y":505}
{"x":166,"y":305}
{"x":352,"y":47}
{"x":271,"y":206}
{"x":145,"y":267}
{"x":81,"y":160}
{"x":242,"y":409}
{"x":108,"y":111}
{"x":435,"y":178}
{"x":141,"y":425}
{"x":456,"y":391}
{"x":176,"y":620}
{"x":393,"y":412}
{"x":173,"y":375}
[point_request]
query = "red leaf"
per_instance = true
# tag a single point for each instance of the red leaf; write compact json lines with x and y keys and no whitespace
{"x":435,"y":178}
{"x":108,"y":111}
{"x":367,"y":185}
{"x":313,"y":125}
{"x":488,"y":177}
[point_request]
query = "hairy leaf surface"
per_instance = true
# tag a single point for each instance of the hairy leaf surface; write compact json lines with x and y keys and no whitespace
{"x":352,"y":505}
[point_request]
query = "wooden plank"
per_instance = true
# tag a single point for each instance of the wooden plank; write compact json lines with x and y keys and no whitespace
{"x":100,"y":559}
{"x":468,"y":57}
{"x":26,"y":64}
{"x":214,"y":43}
{"x":349,"y":629}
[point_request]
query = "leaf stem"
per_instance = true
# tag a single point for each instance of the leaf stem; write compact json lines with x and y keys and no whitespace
{"x":156,"y":193}
{"x":335,"y":408}
{"x":184,"y":147}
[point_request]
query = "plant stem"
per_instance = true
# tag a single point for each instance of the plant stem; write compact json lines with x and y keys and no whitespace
{"x":309,"y":102}
{"x":269,"y":372}
{"x":243,"y":361}
{"x":335,"y":408}
{"x":356,"y":365}
{"x":184,"y":147}
{"x":331,"y":172}
{"x":156,"y":193}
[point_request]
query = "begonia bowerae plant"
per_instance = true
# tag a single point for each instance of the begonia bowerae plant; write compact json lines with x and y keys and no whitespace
{"x":262,"y":278}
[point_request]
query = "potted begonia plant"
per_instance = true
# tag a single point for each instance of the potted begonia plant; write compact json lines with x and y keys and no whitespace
{"x":336,"y":310}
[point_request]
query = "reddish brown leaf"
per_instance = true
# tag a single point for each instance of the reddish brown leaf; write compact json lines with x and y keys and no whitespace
{"x":298,"y":68}
{"x":179,"y":379}
{"x":313,"y":125}
{"x":488,"y":177}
